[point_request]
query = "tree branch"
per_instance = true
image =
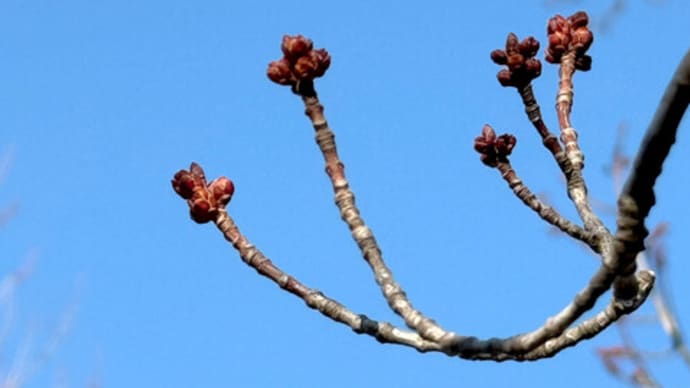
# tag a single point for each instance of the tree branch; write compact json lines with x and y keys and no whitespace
{"x":637,"y":196}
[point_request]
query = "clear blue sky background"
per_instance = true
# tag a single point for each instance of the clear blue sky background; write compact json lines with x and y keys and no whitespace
{"x":102,"y":101}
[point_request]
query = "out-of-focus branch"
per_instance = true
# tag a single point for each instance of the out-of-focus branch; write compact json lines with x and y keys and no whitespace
{"x":660,"y":136}
{"x":6,"y":211}
{"x":30,"y":355}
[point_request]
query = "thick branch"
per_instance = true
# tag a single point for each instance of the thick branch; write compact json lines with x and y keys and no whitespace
{"x":637,"y":197}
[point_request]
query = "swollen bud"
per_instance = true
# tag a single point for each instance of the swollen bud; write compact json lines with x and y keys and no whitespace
{"x":279,"y":72}
{"x":222,"y":190}
{"x":295,"y":46}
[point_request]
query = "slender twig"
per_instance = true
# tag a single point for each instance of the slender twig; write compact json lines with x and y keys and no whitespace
{"x":641,"y":375}
{"x":469,"y":346}
{"x":452,"y":344}
{"x":533,"y":112}
{"x":361,"y":233}
{"x":577,"y":188}
{"x":253,"y":257}
{"x":564,"y":105}
{"x":547,"y":213}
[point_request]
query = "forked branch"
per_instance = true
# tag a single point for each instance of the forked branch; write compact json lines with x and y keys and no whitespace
{"x":569,"y":39}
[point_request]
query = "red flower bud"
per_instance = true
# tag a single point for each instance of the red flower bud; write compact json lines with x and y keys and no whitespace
{"x":488,"y":133}
{"x":184,"y":184}
{"x":519,"y":58}
{"x":578,"y":19}
{"x":558,"y":25}
{"x":306,"y":67}
{"x":512,"y":44}
{"x":505,"y":144}
{"x":279,"y":72}
{"x":583,"y":63}
{"x":323,"y":60}
{"x":515,"y":61}
{"x":296,"y":46}
{"x":505,"y":78}
{"x":204,"y":200}
{"x":529,"y":47}
{"x":571,"y":34}
{"x":533,"y":66}
{"x":489,"y":160}
{"x":222,"y":190}
{"x":582,"y":39}
{"x":499,"y":57}
{"x":484,"y":143}
{"x":301,"y":62}
{"x":201,"y":210}
{"x":198,"y":172}
{"x":493,"y":149}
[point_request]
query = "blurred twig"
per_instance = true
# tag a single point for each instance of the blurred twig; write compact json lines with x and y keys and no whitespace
{"x":27,"y":360}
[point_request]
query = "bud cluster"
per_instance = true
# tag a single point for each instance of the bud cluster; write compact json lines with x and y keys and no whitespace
{"x":570,"y":35}
{"x":492,"y":148}
{"x":520,"y":59}
{"x":204,"y":199}
{"x":300,"y":61}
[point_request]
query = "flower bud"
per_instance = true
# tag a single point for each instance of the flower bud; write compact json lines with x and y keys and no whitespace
{"x":488,"y":133}
{"x":279,"y":72}
{"x":306,"y":67}
{"x":296,"y":46}
{"x":505,"y":144}
{"x":582,"y":39}
{"x":184,"y":184}
{"x":529,"y":47}
{"x":583,"y":63}
{"x":489,"y":160}
{"x":493,"y":149}
{"x":222,"y":190}
{"x":484,"y":143}
{"x":512,"y":44}
{"x":571,"y":34}
{"x":533,"y":67}
{"x":515,"y":61}
{"x":198,"y":172}
{"x":499,"y":57}
{"x":519,"y":58}
{"x":578,"y":20}
{"x":204,"y":200}
{"x":505,"y":78}
{"x":323,"y":60}
{"x":201,"y":210}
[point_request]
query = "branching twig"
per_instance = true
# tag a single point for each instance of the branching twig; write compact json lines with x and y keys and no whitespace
{"x":569,"y":39}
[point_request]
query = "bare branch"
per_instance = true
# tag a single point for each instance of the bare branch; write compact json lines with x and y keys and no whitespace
{"x":637,"y":197}
{"x":569,"y":39}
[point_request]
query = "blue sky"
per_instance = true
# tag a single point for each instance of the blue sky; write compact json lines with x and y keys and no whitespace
{"x":102,"y":101}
